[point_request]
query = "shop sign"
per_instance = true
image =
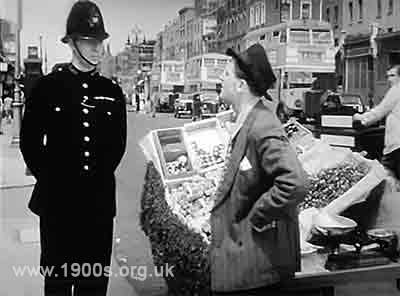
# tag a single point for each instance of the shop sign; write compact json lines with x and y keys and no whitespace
{"x":173,"y":78}
{"x":357,"y":52}
{"x":3,"y":67}
{"x":209,"y":26}
{"x":310,"y":56}
{"x":193,"y":70}
{"x":214,"y":68}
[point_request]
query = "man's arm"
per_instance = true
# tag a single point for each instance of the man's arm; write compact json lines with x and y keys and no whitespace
{"x":33,"y":131}
{"x":279,"y":161}
{"x":382,"y":109}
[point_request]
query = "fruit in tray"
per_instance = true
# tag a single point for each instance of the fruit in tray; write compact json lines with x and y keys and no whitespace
{"x":193,"y":199}
{"x":178,"y":166}
{"x":208,"y":158}
{"x":331,"y":183}
{"x":294,"y":131}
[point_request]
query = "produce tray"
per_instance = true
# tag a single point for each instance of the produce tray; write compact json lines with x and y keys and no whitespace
{"x":225,"y":116}
{"x":173,"y":240}
{"x":206,"y":143}
{"x":300,"y":137}
{"x":172,"y":152}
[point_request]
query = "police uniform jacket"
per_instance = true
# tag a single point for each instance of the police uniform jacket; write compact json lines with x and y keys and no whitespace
{"x":73,"y":137}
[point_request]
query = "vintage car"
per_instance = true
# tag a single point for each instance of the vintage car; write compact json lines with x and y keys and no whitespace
{"x":166,"y":102}
{"x":183,"y":107}
{"x":341,"y":104}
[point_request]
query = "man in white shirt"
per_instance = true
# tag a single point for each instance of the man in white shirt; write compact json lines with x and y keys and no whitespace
{"x":389,"y":107}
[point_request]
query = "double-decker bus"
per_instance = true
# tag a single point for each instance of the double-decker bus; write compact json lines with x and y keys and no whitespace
{"x":203,"y":72}
{"x":302,"y":54}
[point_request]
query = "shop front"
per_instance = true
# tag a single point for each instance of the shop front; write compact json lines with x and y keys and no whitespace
{"x":359,"y":67}
{"x":388,"y":55}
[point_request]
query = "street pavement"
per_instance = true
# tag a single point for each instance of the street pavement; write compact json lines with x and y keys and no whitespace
{"x":19,"y":227}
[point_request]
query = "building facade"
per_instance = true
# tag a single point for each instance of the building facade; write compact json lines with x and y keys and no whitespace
{"x":332,"y":12}
{"x":371,"y":45}
{"x":7,"y":57}
{"x":232,"y":24}
{"x":171,"y":41}
{"x":127,"y":67}
{"x":187,"y":16}
{"x":108,"y":64}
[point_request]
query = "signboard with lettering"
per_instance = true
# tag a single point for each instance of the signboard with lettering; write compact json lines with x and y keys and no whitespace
{"x":172,"y":73}
{"x":209,"y":26}
{"x":193,"y":70}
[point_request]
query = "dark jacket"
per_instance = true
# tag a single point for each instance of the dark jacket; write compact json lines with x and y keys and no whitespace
{"x":73,"y":137}
{"x":262,"y":186}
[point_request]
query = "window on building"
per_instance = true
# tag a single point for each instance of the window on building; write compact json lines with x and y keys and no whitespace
{"x":328,"y":16}
{"x":336,"y":14}
{"x":262,"y":8}
{"x":351,"y":11}
{"x":286,"y":7}
{"x":251,"y":17}
{"x":277,"y":4}
{"x":360,"y":9}
{"x":321,"y":36}
{"x":257,"y":15}
{"x":300,"y":36}
{"x":390,"y":7}
{"x":378,"y":8}
{"x":305,"y":9}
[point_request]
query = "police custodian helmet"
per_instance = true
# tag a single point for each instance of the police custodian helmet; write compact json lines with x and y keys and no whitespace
{"x":85,"y":21}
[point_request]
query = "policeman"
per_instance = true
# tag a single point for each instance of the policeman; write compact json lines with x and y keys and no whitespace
{"x":73,"y":137}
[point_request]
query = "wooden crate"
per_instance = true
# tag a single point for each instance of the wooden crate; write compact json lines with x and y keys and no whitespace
{"x":207,"y":134}
{"x":170,"y":145}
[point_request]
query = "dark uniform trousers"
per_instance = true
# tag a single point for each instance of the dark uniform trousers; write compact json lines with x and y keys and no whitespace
{"x":73,"y":137}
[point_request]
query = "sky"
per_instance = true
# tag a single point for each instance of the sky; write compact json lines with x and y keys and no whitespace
{"x":47,"y":18}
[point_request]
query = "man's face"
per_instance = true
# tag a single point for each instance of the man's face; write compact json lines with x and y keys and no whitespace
{"x":229,"y":84}
{"x":92,"y":49}
{"x":392,"y":76}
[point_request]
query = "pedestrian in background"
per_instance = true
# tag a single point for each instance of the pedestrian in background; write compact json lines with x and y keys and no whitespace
{"x":8,"y":108}
{"x":254,"y":223}
{"x":73,"y":137}
{"x":137,"y":99}
{"x":389,"y":107}
{"x":155,"y":103}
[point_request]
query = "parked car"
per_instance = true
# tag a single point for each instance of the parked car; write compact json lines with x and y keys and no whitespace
{"x":183,"y":107}
{"x":166,"y":102}
{"x":341,"y":104}
{"x":210,"y":107}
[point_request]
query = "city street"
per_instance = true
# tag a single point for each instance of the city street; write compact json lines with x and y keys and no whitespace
{"x":18,"y":226}
{"x":134,"y":248}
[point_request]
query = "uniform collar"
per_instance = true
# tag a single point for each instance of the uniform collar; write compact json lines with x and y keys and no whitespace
{"x":76,"y":71}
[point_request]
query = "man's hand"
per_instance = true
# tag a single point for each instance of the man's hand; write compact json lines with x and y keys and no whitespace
{"x":357,"y":117}
{"x":358,"y":121}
